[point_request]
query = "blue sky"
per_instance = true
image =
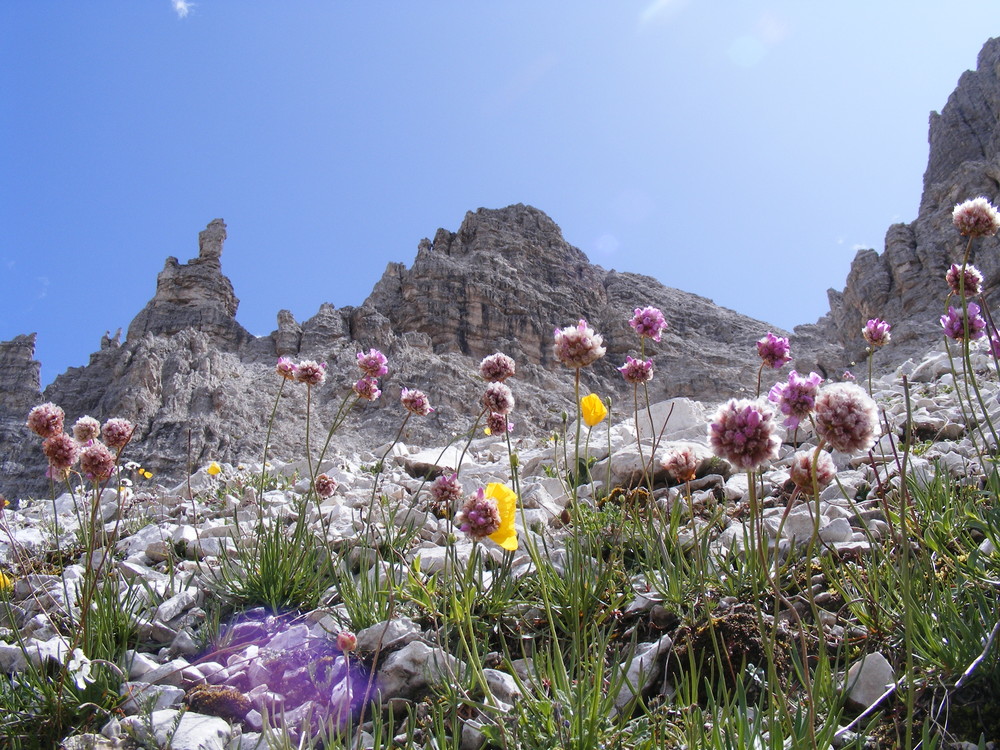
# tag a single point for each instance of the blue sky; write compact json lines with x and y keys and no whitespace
{"x":738,"y":150}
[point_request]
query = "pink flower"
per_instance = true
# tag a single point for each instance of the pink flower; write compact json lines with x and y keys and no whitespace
{"x":286,"y":368}
{"x":498,"y":424}
{"x":46,"y":420}
{"x":848,"y":376}
{"x":846,"y":417}
{"x":347,"y":641}
{"x":954,"y":323}
{"x":973,"y":280}
{"x":774,"y":351}
{"x":801,"y":469}
{"x":117,"y":432}
{"x":61,"y":450}
{"x":976,"y":218}
{"x":795,"y":398}
{"x":995,"y":345}
{"x":579,"y":346}
{"x":97,"y":462}
{"x":415,"y":402}
{"x":648,"y":322}
{"x":480,"y":516}
{"x":373,"y":364}
{"x":876,"y":332}
{"x":86,"y":429}
{"x":636,"y":371}
{"x":311,"y":373}
{"x":681,"y":464}
{"x":496,"y":368}
{"x":498,"y":399}
{"x":446,"y":490}
{"x":367,"y":388}
{"x":325,"y":485}
{"x":742,"y":432}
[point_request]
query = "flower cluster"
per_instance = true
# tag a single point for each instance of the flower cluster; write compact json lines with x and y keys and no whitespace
{"x":955,"y":323}
{"x":796,"y":397}
{"x":976,"y":218}
{"x":964,"y":280}
{"x":63,"y":451}
{"x":681,"y":463}
{"x":578,"y":346}
{"x":310,"y":372}
{"x":490,"y":514}
{"x":648,"y":322}
{"x":415,"y":402}
{"x":286,"y":368}
{"x":636,"y":371}
{"x":742,"y":432}
{"x":325,"y":485}
{"x":801,"y":469}
{"x":498,"y":399}
{"x":846,"y":417}
{"x":876,"y":332}
{"x":498,"y":424}
{"x":496,"y":368}
{"x":774,"y":351}
{"x":374,"y":365}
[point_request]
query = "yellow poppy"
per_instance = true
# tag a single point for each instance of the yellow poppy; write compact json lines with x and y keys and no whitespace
{"x":6,"y":582}
{"x":506,"y":535}
{"x":146,"y":473}
{"x":213,"y":469}
{"x":593,"y":409}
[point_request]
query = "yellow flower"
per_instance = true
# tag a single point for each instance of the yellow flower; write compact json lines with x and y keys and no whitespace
{"x":506,"y":535}
{"x":146,"y":474}
{"x":593,"y":409}
{"x":213,"y":469}
{"x":6,"y":582}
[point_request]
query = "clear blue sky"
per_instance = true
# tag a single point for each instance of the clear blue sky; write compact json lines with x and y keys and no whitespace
{"x":739,"y":150}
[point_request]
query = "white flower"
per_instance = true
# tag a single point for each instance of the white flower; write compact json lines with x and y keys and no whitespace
{"x":79,"y":669}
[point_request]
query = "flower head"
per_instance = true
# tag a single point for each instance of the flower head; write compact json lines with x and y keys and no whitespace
{"x":86,"y":429}
{"x":742,"y":432}
{"x":491,"y":514}
{"x":636,"y":371}
{"x":446,"y":490}
{"x":496,"y":368}
{"x":346,"y":641}
{"x":498,"y":424}
{"x":578,"y":346}
{"x":79,"y":668}
{"x":876,"y":332}
{"x":846,"y":417}
{"x":774,"y":351}
{"x":373,"y":363}
{"x":954,"y":323}
{"x":795,"y":398}
{"x":593,"y":409}
{"x":648,"y":322}
{"x":976,"y":218}
{"x":970,"y":282}
{"x":311,"y":372}
{"x":498,"y":399}
{"x":325,"y":485}
{"x":46,"y":420}
{"x":367,"y":388}
{"x":97,"y":462}
{"x":848,"y":376}
{"x":61,"y":450}
{"x":117,"y":432}
{"x":681,"y":463}
{"x":286,"y":368}
{"x":801,"y":469}
{"x":214,"y":469}
{"x":415,"y":402}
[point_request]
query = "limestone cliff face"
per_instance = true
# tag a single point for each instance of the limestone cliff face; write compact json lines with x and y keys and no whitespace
{"x":200,"y":388}
{"x":905,"y":283}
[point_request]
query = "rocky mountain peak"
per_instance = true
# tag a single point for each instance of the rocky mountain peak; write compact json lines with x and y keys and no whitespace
{"x":194,"y":295}
{"x":905,"y":284}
